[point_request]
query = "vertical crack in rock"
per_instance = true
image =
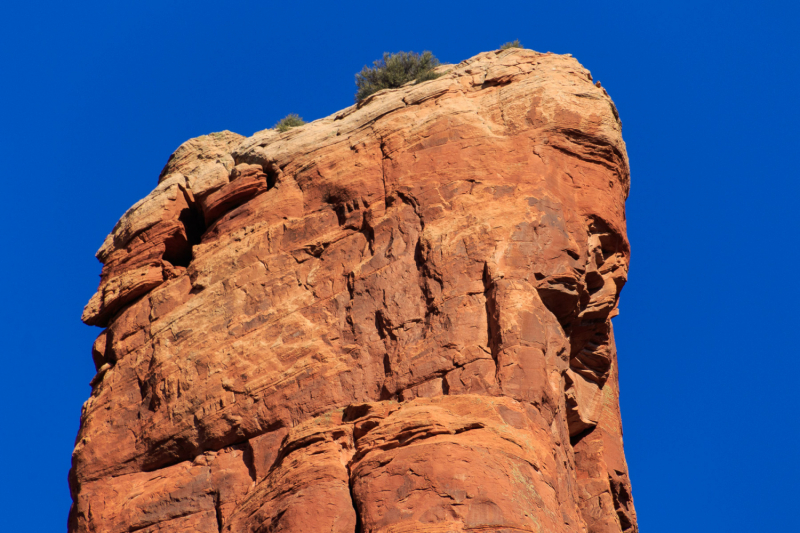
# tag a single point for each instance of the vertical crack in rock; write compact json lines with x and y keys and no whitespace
{"x":426,"y":278}
{"x":218,"y":511}
{"x":369,"y":232}
{"x":350,"y":286}
{"x":351,"y":486}
{"x":384,"y":157}
{"x":492,"y":322}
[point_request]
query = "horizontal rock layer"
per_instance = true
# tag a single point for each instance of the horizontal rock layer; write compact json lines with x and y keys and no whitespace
{"x":393,"y":319}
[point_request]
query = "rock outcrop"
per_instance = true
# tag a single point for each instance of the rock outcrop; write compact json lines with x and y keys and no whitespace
{"x":393,"y":319}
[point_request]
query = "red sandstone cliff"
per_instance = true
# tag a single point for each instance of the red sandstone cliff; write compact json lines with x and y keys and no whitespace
{"x":393,"y":319}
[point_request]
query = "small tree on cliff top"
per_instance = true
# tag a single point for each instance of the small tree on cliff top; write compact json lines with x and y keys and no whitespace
{"x":395,"y":70}
{"x":292,"y":120}
{"x":512,"y":44}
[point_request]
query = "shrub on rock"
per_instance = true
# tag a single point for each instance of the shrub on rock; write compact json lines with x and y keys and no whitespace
{"x":512,"y":44}
{"x":395,"y":70}
{"x":292,"y":120}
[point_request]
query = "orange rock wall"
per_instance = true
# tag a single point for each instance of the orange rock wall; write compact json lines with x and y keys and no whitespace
{"x":393,"y":319}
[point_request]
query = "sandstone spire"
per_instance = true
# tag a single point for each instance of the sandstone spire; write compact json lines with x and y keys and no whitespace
{"x":393,"y":319}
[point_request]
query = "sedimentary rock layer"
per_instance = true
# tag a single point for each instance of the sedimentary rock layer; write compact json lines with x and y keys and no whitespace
{"x":393,"y":319}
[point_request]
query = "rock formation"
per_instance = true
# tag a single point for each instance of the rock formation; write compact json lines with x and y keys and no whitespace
{"x":394,"y":319}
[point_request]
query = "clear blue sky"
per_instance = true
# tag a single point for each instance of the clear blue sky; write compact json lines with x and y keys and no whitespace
{"x":96,"y":95}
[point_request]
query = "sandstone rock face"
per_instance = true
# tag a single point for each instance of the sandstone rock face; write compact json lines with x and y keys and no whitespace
{"x":393,"y":319}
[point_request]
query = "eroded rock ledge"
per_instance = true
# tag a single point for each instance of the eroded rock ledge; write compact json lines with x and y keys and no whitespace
{"x":393,"y":319}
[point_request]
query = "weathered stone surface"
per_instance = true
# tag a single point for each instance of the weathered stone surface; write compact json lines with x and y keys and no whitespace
{"x":393,"y":319}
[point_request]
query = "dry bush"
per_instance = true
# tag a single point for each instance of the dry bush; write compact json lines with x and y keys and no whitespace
{"x":395,"y":70}
{"x":513,"y":44}
{"x":292,"y":120}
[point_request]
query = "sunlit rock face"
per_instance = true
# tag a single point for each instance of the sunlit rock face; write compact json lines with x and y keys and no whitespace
{"x":393,"y":319}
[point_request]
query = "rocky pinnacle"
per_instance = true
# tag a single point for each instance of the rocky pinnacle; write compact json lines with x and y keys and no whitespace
{"x":394,"y":319}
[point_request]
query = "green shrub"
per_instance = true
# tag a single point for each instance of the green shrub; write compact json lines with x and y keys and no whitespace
{"x":292,"y":120}
{"x":395,"y":70}
{"x":513,"y":44}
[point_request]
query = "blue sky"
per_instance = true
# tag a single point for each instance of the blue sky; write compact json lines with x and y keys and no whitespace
{"x":96,"y":95}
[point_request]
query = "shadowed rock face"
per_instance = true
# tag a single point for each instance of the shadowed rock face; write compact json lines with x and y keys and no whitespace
{"x":393,"y":319}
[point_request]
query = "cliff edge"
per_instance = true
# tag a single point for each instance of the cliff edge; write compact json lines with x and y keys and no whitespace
{"x":393,"y":319}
